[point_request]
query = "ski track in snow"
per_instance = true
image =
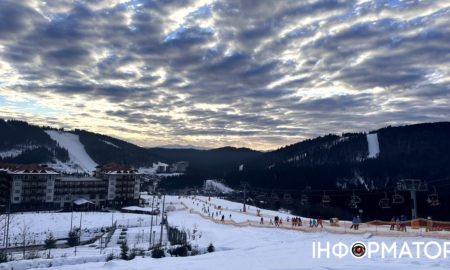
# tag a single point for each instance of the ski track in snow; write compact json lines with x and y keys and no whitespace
{"x":77,"y":153}
{"x":374,"y":147}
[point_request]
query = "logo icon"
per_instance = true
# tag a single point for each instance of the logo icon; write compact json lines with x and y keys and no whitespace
{"x":358,"y":250}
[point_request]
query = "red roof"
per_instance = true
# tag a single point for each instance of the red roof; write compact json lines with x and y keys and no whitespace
{"x":117,"y":168}
{"x":26,"y":168}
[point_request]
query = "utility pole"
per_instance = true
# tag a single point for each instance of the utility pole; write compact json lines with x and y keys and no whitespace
{"x":162,"y":221}
{"x":71,"y":217}
{"x":7,"y":226}
{"x":81,"y":218}
{"x":245,"y":185}
{"x":413,"y":186}
{"x":151,"y":223}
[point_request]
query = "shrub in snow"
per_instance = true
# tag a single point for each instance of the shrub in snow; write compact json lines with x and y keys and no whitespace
{"x":132,"y":255}
{"x":110,"y":257}
{"x":211,"y":248}
{"x":72,"y":239}
{"x":181,"y":251}
{"x":195,"y":252}
{"x":157,"y":253}
{"x":3,"y":257}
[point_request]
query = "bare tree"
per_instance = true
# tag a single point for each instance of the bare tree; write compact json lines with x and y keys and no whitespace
{"x":24,"y":236}
{"x":4,"y":226}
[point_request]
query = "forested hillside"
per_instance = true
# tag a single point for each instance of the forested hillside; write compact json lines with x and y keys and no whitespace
{"x":105,"y":149}
{"x":24,"y":143}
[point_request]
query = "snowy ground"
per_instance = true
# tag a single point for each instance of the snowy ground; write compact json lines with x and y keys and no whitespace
{"x":38,"y":225}
{"x":247,"y":247}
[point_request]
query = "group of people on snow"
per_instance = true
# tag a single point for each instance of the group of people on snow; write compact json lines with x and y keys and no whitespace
{"x":316,"y":222}
{"x":399,"y":223}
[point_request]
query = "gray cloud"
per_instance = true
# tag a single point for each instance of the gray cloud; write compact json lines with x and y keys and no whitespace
{"x":276,"y":70}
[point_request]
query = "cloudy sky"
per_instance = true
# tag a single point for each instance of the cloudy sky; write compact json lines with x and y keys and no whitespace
{"x":246,"y":73}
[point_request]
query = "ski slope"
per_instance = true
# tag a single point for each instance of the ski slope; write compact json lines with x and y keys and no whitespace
{"x":374,"y":147}
{"x":217,"y":186}
{"x":251,"y":247}
{"x":77,"y":153}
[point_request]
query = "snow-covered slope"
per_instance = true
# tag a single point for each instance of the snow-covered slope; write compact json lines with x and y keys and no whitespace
{"x":77,"y":153}
{"x":238,"y":247}
{"x":374,"y":147}
{"x":217,"y":186}
{"x":153,"y":169}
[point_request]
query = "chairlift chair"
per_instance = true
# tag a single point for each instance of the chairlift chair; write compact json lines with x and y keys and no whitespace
{"x":384,"y":202}
{"x":397,"y":198}
{"x":274,"y":196}
{"x":287,"y":197}
{"x":325,"y":200}
{"x":433,"y":198}
{"x":304,"y":199}
{"x":355,"y":198}
{"x":353,"y":205}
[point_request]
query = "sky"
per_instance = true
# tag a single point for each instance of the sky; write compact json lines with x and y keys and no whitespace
{"x":259,"y":74}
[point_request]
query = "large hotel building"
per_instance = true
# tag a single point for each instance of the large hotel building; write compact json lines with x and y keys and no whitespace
{"x":38,"y":187}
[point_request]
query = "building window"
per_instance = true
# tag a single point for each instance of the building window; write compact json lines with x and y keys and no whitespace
{"x":16,"y":198}
{"x":17,"y":183}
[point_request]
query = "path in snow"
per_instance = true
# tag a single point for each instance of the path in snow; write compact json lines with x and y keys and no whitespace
{"x":77,"y":153}
{"x":250,"y":219}
{"x":374,"y":147}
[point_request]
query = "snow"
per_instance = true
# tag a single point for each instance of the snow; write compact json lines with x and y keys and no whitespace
{"x":215,"y":185}
{"x":77,"y":153}
{"x":374,"y":147}
{"x":11,"y":153}
{"x":17,"y":151}
{"x":110,"y":143}
{"x":59,"y":223}
{"x":248,"y":247}
{"x":152,"y":170}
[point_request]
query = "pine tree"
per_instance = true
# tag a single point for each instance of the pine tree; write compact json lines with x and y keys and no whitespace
{"x":50,"y":241}
{"x":124,"y":250}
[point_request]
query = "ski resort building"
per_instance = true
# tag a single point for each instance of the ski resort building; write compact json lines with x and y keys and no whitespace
{"x":33,"y":187}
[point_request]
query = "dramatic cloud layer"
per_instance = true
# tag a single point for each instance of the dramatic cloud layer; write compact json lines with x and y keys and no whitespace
{"x":246,"y":73}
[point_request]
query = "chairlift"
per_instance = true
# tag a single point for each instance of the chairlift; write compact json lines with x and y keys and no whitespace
{"x":433,"y":198}
{"x":397,"y":198}
{"x":355,"y":198}
{"x":304,"y":199}
{"x":384,"y":202}
{"x":287,"y":197}
{"x":353,"y":205}
{"x":325,"y":200}
{"x":274,"y":196}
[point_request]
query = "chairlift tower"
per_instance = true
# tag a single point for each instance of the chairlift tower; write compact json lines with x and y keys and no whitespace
{"x":413,"y":186}
{"x":245,"y":185}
